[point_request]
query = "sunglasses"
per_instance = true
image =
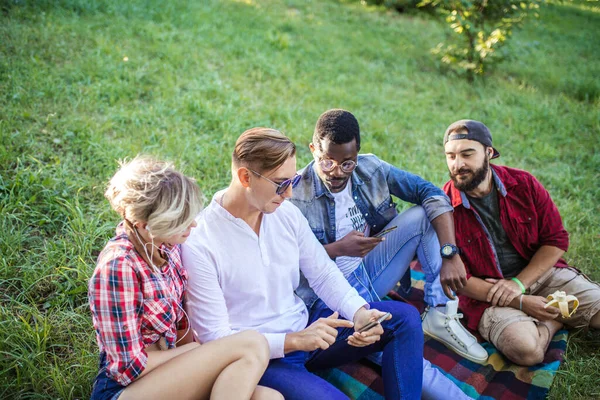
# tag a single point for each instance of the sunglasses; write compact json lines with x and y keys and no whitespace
{"x":283,"y":186}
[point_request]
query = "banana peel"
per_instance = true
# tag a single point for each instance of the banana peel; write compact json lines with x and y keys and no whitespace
{"x":561,"y":300}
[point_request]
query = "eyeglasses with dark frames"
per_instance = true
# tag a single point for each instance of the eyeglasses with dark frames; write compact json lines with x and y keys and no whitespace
{"x":283,"y":186}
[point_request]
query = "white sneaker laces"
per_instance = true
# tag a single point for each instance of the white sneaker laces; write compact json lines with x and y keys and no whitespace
{"x":459,"y":328}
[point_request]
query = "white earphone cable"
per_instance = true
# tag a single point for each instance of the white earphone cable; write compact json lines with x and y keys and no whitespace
{"x":156,"y":270}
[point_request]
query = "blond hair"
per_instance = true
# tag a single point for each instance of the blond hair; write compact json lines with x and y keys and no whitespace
{"x":262,"y":149}
{"x":152,"y":191}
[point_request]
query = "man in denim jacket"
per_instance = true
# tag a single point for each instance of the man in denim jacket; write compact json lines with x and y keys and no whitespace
{"x":347,"y":200}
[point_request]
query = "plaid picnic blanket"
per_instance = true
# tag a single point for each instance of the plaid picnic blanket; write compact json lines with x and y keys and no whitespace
{"x":497,"y":379}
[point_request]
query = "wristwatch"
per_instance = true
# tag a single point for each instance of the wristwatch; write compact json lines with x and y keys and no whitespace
{"x":448,"y":250}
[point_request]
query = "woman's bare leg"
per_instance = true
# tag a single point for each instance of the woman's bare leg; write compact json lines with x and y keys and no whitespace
{"x":265,"y":393}
{"x":226,"y":368}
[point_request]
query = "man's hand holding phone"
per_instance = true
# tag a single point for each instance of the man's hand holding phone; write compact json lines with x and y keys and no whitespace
{"x":355,"y":244}
{"x":367,"y":326}
{"x":375,"y":323}
{"x":385,"y":232}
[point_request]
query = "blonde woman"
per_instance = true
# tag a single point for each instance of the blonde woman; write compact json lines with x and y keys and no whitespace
{"x":136,"y":297}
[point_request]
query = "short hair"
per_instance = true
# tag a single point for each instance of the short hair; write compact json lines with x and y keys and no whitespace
{"x":337,"y":125}
{"x":457,"y":128}
{"x":262,"y":149}
{"x":145,"y":189}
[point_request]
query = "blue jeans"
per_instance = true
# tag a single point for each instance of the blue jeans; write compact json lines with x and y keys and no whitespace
{"x":387,"y":263}
{"x":105,"y":388}
{"x":401,"y":343}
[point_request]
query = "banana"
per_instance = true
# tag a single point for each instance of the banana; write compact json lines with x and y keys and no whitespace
{"x":561,"y":300}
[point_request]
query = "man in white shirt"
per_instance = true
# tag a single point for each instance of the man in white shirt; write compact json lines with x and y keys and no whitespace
{"x":244,"y":261}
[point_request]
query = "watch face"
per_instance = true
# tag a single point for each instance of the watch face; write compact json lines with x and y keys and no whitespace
{"x":448,"y":251}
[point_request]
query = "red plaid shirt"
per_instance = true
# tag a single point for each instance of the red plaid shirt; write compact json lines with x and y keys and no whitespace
{"x":527,"y":214}
{"x":133,"y":306}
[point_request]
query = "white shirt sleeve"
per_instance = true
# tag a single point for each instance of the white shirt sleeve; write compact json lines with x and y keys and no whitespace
{"x":323,"y":275}
{"x":206,"y":304}
{"x":205,"y":300}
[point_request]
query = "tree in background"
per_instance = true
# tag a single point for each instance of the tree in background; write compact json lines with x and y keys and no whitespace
{"x":480,"y":29}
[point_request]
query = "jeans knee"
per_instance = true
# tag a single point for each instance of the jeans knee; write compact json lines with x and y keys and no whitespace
{"x":417,"y":216}
{"x":406,"y":318}
{"x":421,"y":213}
{"x":414,"y":318}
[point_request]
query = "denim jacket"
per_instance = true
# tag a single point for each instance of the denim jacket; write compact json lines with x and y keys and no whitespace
{"x":373,"y":183}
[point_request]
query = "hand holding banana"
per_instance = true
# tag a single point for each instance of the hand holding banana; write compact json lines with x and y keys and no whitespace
{"x":561,"y":300}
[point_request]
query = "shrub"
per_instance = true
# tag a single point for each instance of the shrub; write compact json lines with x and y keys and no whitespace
{"x":479,"y":29}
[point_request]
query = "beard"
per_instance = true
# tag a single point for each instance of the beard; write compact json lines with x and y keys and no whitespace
{"x":336,"y":185}
{"x":471,"y":183}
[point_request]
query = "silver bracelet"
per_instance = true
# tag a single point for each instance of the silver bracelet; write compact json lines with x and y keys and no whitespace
{"x":521,"y":302}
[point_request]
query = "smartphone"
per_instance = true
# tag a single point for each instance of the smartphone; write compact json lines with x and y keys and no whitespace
{"x":385,"y":231}
{"x":374,"y":323}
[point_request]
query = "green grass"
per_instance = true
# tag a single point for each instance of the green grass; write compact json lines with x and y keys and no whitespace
{"x":198,"y":74}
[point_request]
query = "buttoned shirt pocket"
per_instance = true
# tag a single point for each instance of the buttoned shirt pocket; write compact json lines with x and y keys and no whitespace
{"x":386,"y":211}
{"x":525,"y":228}
{"x":476,"y":252}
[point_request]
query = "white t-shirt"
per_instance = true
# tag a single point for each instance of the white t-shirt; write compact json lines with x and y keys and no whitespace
{"x":348,"y":218}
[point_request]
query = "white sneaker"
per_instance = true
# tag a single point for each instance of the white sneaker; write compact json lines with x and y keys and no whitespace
{"x":446,"y":328}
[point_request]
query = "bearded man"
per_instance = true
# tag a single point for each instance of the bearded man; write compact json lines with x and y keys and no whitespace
{"x":511,"y":240}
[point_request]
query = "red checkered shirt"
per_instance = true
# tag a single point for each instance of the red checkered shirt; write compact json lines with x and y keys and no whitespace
{"x":529,"y":218}
{"x":133,"y":306}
